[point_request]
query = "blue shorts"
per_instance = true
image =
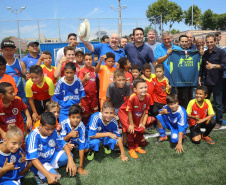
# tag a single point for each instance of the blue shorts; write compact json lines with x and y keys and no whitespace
{"x":94,"y":144}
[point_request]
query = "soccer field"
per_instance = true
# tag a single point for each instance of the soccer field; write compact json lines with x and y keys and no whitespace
{"x":199,"y":164}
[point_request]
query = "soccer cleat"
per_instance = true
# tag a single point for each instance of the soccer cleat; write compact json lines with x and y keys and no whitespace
{"x":107,"y":150}
{"x":140,"y":150}
{"x":133,"y":154}
{"x":208,"y":139}
{"x":161,"y":139}
{"x":39,"y":181}
{"x":90,"y":155}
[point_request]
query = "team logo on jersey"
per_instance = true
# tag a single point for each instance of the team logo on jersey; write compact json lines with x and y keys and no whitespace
{"x":2,"y":114}
{"x":12,"y":158}
{"x":174,"y":136}
{"x":195,"y":112}
{"x":206,"y":111}
{"x":76,"y":91}
{"x":52,"y":143}
{"x":10,"y":120}
{"x":187,"y":62}
{"x":138,"y":113}
{"x":15,"y":111}
{"x":136,"y":106}
{"x":99,"y":128}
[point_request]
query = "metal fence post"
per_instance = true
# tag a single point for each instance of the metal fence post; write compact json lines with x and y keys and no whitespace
{"x":59,"y":28}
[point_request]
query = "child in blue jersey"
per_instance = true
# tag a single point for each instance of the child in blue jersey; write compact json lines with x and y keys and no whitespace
{"x":73,"y":131}
{"x":173,"y":117}
{"x":48,"y":151}
{"x":69,"y":91}
{"x":12,"y":158}
{"x":103,"y":127}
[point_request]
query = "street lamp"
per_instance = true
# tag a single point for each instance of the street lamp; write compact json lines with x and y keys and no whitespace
{"x":119,"y":9}
{"x":17,"y":11}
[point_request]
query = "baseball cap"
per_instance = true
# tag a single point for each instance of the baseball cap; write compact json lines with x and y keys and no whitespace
{"x":79,"y":51}
{"x":7,"y":43}
{"x":30,"y":43}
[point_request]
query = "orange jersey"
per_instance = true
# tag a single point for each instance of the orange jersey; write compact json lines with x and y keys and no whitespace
{"x":150,"y":91}
{"x":38,"y":123}
{"x":49,"y":72}
{"x":105,"y":77}
{"x":160,"y":91}
{"x":9,"y":79}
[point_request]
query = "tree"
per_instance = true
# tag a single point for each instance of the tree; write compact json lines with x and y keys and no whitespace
{"x":221,"y":22}
{"x":196,"y":16}
{"x":171,"y":12}
{"x":209,"y":20}
{"x":7,"y":38}
{"x":174,"y":31}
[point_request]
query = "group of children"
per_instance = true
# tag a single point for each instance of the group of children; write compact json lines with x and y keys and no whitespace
{"x":68,"y":113}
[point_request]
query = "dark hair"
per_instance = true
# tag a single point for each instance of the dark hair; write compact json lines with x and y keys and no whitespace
{"x":48,"y":118}
{"x":171,"y":98}
{"x":217,"y":33}
{"x":66,"y":48}
{"x":108,"y":104}
{"x":51,"y":104}
{"x":159,"y":66}
{"x":203,"y":88}
{"x":71,"y":34}
{"x":211,"y":35}
{"x":136,"y":66}
{"x":146,"y":66}
{"x":70,"y":65}
{"x":110,"y":55}
{"x":75,"y":109}
{"x":104,"y":37}
{"x":88,"y":54}
{"x":3,"y":86}
{"x":2,"y":61}
{"x":122,"y":62}
{"x":119,"y":72}
{"x":138,"y":28}
{"x":47,"y":53}
{"x":36,"y":69}
{"x":130,"y":35}
{"x":124,"y":38}
{"x":137,"y":81}
{"x":182,"y":36}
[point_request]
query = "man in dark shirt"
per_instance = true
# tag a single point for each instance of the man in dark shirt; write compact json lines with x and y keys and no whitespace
{"x":213,"y":63}
{"x":138,"y":52}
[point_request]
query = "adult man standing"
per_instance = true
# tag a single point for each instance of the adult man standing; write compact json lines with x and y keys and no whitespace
{"x":123,"y":42}
{"x":213,"y":63}
{"x":105,"y":39}
{"x":218,"y":38}
{"x":200,"y":45}
{"x":162,"y":51}
{"x":152,"y":39}
{"x":191,"y":46}
{"x":72,"y":41}
{"x":32,"y":57}
{"x":138,"y":52}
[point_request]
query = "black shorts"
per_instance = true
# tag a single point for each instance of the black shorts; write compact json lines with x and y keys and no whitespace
{"x":40,"y":105}
{"x":197,"y":131}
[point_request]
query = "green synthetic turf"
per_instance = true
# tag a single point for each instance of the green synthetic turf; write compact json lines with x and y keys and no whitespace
{"x":201,"y":164}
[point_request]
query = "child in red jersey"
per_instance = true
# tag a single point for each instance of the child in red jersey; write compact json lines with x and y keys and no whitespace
{"x":39,"y":90}
{"x":161,"y":89}
{"x":133,"y":115}
{"x":10,"y":109}
{"x":87,"y":76}
{"x":200,"y":113}
{"x":126,"y":65}
{"x":48,"y":70}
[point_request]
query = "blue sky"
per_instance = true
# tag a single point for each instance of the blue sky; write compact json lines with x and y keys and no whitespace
{"x":50,"y":9}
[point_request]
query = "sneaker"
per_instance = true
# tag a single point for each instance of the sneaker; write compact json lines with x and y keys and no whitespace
{"x":140,"y":150}
{"x":161,"y":139}
{"x":39,"y":181}
{"x":208,"y":139}
{"x":217,"y":127}
{"x":107,"y":150}
{"x":133,"y":154}
{"x":90,"y":155}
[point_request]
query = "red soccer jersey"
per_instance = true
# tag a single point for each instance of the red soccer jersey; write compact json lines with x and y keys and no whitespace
{"x":136,"y":106}
{"x":90,"y":85}
{"x":129,"y":77}
{"x":150,"y":84}
{"x":160,"y":91}
{"x":49,"y":72}
{"x":77,"y":69}
{"x":12,"y":114}
{"x":195,"y":109}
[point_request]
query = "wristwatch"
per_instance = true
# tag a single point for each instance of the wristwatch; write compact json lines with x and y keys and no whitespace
{"x":214,"y":66}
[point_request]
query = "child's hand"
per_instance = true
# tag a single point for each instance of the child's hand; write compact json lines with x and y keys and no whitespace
{"x":81,"y":171}
{"x":29,"y":122}
{"x":63,"y":59}
{"x":35,"y":117}
{"x":53,"y":178}
{"x":71,"y":168}
{"x":131,"y":129}
{"x":23,"y":158}
{"x":164,"y":111}
{"x":113,"y":136}
{"x":142,"y":125}
{"x":71,"y":146}
{"x":43,"y":56}
{"x":179,"y":148}
{"x":103,"y":57}
{"x":9,"y":166}
{"x":123,"y":157}
{"x":87,"y":76}
{"x":168,"y":88}
{"x":197,"y":118}
{"x":58,"y":128}
{"x":73,"y":133}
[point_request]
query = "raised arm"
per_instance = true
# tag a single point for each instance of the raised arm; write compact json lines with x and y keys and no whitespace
{"x":57,"y":72}
{"x":88,"y":45}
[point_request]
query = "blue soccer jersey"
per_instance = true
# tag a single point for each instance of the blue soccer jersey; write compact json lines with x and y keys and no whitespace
{"x":43,"y":148}
{"x":12,"y":157}
{"x":80,"y":141}
{"x":96,"y":125}
{"x":68,"y":94}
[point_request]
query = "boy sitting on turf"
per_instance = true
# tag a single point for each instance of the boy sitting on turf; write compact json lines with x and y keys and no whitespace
{"x":69,"y":91}
{"x":48,"y":151}
{"x":88,"y":78}
{"x":12,"y":158}
{"x":133,"y":115}
{"x":126,"y":65}
{"x":173,"y":117}
{"x":103,"y":127}
{"x":10,"y":109}
{"x":73,"y":131}
{"x":39,"y":90}
{"x":200,"y":114}
{"x":105,"y":73}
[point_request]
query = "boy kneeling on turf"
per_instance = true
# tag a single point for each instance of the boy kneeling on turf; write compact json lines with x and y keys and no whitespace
{"x":48,"y":151}
{"x":173,"y":117}
{"x":103,"y":127}
{"x":200,"y":114}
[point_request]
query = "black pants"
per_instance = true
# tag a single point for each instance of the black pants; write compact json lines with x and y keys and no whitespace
{"x":156,"y":108}
{"x":40,"y":105}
